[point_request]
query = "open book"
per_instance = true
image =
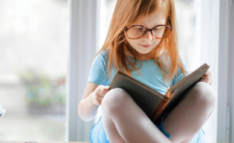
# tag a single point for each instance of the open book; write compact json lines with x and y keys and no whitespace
{"x":153,"y":103}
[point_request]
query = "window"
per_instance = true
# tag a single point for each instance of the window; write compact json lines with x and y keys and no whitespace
{"x":33,"y":67}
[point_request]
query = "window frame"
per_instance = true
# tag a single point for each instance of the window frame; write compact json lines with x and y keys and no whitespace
{"x":83,"y":19}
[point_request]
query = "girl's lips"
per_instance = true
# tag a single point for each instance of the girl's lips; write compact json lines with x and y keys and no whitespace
{"x":145,"y":46}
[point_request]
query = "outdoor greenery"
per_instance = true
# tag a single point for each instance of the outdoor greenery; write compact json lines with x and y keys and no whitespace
{"x":43,"y":90}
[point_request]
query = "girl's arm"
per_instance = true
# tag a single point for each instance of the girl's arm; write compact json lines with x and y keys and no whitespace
{"x":87,"y":110}
{"x":95,"y":91}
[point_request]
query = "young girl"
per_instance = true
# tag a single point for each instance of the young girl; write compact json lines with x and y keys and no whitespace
{"x":142,"y":42}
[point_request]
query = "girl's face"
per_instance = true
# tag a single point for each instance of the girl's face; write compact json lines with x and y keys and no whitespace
{"x":158,"y":17}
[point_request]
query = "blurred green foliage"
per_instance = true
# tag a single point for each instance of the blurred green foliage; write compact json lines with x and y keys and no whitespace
{"x":42,"y":89}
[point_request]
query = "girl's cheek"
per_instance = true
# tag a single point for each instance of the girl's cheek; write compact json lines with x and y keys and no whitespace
{"x":158,"y":41}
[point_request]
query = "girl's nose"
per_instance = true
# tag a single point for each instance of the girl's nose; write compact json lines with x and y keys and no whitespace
{"x":148,"y":35}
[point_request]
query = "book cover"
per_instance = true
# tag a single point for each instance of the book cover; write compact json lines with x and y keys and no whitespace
{"x":153,"y":103}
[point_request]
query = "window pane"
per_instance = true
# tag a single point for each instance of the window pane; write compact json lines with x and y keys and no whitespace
{"x":33,"y":64}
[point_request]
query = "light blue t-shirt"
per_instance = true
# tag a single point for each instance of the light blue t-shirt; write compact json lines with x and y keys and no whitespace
{"x":151,"y":74}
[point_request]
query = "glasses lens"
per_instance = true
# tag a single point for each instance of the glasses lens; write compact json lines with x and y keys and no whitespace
{"x":161,"y":31}
{"x":136,"y":31}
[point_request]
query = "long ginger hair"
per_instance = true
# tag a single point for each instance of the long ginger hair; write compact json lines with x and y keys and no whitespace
{"x":127,"y":12}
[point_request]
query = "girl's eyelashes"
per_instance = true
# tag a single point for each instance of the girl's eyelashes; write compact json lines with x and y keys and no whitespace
{"x":156,"y":28}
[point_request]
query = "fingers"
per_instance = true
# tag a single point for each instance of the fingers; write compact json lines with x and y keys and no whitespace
{"x":102,"y":87}
{"x":207,"y":74}
{"x":106,"y":87}
{"x":206,"y":80}
{"x":101,"y":93}
{"x":102,"y":90}
{"x":99,"y":100}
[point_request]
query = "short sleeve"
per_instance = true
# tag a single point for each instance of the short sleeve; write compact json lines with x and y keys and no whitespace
{"x":98,"y":73}
{"x":179,"y":72}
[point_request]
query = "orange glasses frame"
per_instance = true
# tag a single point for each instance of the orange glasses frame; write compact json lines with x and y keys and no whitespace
{"x":146,"y":29}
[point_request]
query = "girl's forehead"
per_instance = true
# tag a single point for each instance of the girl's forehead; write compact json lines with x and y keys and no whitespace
{"x":159,"y":16}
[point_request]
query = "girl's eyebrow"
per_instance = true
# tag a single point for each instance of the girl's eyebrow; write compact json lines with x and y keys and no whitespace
{"x":148,"y":27}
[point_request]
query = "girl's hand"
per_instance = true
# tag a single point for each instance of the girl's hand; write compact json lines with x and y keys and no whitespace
{"x":206,"y":78}
{"x":98,"y":94}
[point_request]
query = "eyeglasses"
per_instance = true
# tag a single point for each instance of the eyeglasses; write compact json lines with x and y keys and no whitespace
{"x":158,"y":32}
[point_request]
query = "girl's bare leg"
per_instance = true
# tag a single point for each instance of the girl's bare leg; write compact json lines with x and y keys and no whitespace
{"x":132,"y":125}
{"x":187,"y":118}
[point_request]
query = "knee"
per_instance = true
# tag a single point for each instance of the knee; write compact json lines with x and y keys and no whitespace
{"x":204,"y":95}
{"x":115,"y":99}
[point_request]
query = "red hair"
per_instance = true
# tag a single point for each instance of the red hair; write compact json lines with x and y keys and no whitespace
{"x":127,"y":12}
